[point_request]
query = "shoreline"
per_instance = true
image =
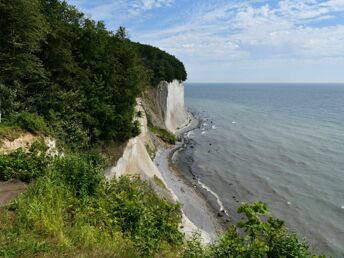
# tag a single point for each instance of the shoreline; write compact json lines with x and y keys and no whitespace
{"x":195,"y":206}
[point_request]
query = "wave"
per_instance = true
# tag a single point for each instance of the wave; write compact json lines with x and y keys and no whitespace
{"x":218,"y":200}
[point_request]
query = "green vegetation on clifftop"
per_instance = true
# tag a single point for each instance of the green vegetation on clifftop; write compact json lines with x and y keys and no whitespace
{"x":78,"y":76}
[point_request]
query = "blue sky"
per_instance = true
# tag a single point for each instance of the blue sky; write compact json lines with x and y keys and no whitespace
{"x":236,"y":41}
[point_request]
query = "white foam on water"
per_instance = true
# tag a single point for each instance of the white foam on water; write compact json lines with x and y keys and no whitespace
{"x":189,"y":134}
{"x":234,"y":122}
{"x":222,"y":208}
{"x":289,"y":203}
{"x":213,"y":127}
{"x":203,"y":132}
{"x":342,"y":207}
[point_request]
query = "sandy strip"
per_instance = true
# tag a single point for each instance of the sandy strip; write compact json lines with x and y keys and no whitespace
{"x":194,"y":206}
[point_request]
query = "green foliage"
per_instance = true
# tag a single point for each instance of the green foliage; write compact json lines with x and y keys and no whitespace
{"x":82,"y":79}
{"x":164,"y":135}
{"x":137,"y":209}
{"x":80,"y":175}
{"x":31,"y":122}
{"x":122,"y":33}
{"x":159,"y":182}
{"x":8,"y":102}
{"x":161,"y":66}
{"x":257,"y":235}
{"x":22,"y":165}
{"x":9,"y":132}
{"x":72,"y":211}
{"x":193,"y":247}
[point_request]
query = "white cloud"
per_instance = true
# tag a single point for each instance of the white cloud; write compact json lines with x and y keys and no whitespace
{"x":150,"y":4}
{"x":120,"y":10}
{"x":246,"y":31}
{"x":251,"y":33}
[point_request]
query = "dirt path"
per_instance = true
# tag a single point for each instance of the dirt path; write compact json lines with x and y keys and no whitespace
{"x":10,"y":190}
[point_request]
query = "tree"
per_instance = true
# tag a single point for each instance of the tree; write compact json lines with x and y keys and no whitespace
{"x":122,"y":33}
{"x":258,"y":235}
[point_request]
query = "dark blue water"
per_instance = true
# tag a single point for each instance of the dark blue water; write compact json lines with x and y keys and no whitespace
{"x":279,"y":143}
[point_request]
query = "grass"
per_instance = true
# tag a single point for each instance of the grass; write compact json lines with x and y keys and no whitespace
{"x":151,"y":151}
{"x":159,"y":182}
{"x":10,"y":132}
{"x":163,"y":134}
{"x":71,"y":211}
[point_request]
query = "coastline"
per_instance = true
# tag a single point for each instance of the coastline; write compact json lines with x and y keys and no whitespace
{"x":195,"y":206}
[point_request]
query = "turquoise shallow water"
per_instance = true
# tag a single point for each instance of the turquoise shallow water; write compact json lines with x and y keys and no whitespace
{"x":279,"y":143}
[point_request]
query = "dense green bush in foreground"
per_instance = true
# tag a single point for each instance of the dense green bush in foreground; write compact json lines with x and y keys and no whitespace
{"x":261,"y":236}
{"x":70,"y":210}
{"x":24,"y":165}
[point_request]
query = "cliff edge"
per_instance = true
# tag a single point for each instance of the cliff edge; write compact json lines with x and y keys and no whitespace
{"x":166,"y":107}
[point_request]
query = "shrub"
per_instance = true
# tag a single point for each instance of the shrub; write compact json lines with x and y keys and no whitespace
{"x":82,"y":175}
{"x":9,"y":132}
{"x":31,"y":122}
{"x":137,"y":209}
{"x":135,"y":131}
{"x":71,"y":211}
{"x":257,"y":235}
{"x":22,"y":165}
{"x":164,"y":135}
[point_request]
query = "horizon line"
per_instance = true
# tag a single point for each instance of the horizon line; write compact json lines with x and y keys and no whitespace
{"x":265,"y":82}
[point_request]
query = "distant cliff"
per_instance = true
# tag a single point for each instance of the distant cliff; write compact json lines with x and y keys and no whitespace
{"x":164,"y":105}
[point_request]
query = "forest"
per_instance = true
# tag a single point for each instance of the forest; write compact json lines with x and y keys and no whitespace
{"x":73,"y":73}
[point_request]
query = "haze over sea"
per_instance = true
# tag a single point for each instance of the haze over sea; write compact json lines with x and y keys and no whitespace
{"x":279,"y":143}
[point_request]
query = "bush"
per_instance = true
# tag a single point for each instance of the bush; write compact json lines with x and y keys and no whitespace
{"x":80,"y":174}
{"x":72,"y":212}
{"x":257,"y":235}
{"x":9,"y":132}
{"x":31,"y":122}
{"x":164,"y":135}
{"x":22,"y":165}
{"x":137,"y":209}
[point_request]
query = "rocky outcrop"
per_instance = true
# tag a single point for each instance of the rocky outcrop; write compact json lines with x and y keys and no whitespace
{"x":24,"y":142}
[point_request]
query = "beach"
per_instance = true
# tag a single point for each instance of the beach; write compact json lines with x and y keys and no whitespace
{"x":194,"y":205}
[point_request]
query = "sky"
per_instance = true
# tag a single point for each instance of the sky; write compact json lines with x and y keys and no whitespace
{"x":236,"y":41}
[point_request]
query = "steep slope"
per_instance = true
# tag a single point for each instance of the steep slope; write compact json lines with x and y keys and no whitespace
{"x":164,"y":105}
{"x":137,"y":161}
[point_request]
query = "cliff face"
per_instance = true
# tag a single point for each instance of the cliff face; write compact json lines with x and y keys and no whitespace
{"x":135,"y":159}
{"x":165,"y":105}
{"x":175,"y":114}
{"x":166,"y":108}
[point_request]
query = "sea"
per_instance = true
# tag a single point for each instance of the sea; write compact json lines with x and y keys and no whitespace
{"x":282,"y":144}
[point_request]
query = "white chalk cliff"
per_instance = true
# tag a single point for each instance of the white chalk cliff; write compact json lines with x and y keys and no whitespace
{"x":175,"y":113}
{"x":136,"y":159}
